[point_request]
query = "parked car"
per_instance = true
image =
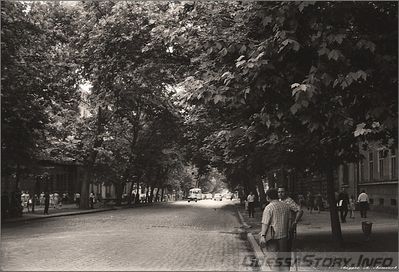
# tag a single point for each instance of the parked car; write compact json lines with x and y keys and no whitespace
{"x":209,"y":196}
{"x":217,"y":197}
{"x":229,"y":196}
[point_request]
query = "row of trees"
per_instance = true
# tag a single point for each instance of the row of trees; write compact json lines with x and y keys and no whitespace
{"x":292,"y":85}
{"x":132,"y":130}
{"x":238,"y":87}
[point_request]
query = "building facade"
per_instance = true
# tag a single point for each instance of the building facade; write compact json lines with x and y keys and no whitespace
{"x":377,"y":174}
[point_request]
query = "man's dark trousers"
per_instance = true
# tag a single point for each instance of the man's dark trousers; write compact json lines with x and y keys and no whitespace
{"x":363,"y":209}
{"x":344,"y":213}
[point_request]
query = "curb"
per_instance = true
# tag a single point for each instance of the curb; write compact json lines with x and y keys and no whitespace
{"x":22,"y":219}
{"x":260,"y":255}
{"x":38,"y":217}
{"x":250,"y":237}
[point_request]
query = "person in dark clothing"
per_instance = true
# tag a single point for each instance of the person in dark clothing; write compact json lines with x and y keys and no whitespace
{"x":319,"y":202}
{"x":46,"y":202}
{"x":251,"y":204}
{"x":310,"y":201}
{"x":91,"y":198}
{"x":343,"y":202}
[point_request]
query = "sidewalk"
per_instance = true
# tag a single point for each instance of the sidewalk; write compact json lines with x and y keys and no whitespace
{"x":67,"y":210}
{"x":314,"y":232}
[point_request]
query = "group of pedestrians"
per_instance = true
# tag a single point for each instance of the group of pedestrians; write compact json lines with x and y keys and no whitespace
{"x":281,"y":216}
{"x":55,"y":200}
{"x":92,"y":199}
{"x":348,"y":205}
{"x":314,"y":202}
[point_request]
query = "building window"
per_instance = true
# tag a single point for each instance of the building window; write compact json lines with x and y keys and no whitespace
{"x":361,"y":175}
{"x":381,"y":201}
{"x":381,"y":163}
{"x":393,"y":201}
{"x":108,"y":190}
{"x":346,"y":174}
{"x":371,"y":166}
{"x":394,"y":165}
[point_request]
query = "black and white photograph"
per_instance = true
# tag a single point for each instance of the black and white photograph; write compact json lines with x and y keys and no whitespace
{"x":199,"y":136}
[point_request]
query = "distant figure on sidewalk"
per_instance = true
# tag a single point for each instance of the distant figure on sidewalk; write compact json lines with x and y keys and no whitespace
{"x":275,"y":234}
{"x":363,"y":200}
{"x":251,"y":204}
{"x":56,"y":199}
{"x":301,"y":201}
{"x":319,"y":202}
{"x":343,"y":202}
{"x":29,"y":203}
{"x":295,"y":215}
{"x":77,"y":199}
{"x":352,"y":207}
{"x":41,"y":199}
{"x":310,"y":201}
{"x":91,"y":200}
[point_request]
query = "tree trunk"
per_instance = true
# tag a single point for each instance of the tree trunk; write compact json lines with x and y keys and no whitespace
{"x":46,"y":194}
{"x":84,"y":190}
{"x":137,"y":200}
{"x":36,"y":192}
{"x":17,"y":178}
{"x":162,"y":194}
{"x":130,"y":199}
{"x":283,"y":179}
{"x":118,"y":192}
{"x":152,"y":194}
{"x":157,"y":195}
{"x":146,"y":193}
{"x":335,"y":224}
{"x":84,"y":193}
{"x":262,"y":194}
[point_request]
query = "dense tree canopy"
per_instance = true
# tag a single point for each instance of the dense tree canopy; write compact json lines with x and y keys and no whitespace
{"x":229,"y":89}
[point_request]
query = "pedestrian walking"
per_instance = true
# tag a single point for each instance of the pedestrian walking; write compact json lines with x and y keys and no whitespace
{"x":24,"y":200}
{"x":91,"y":200}
{"x":301,"y":201}
{"x":251,"y":204}
{"x":275,"y":231}
{"x":77,"y":199}
{"x":363,"y":200}
{"x":29,"y":203}
{"x":41,"y":199}
{"x":343,"y":202}
{"x":352,"y":207}
{"x":319,"y":202}
{"x":295,"y":214}
{"x":55,"y":200}
{"x":310,"y":201}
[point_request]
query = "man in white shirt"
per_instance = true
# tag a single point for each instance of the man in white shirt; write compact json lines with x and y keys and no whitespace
{"x":275,"y":228}
{"x":363,"y":200}
{"x":251,"y":204}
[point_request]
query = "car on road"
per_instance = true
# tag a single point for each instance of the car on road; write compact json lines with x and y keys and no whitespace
{"x":208,"y":196}
{"x":217,"y":197}
{"x":229,"y":196}
{"x":194,"y":194}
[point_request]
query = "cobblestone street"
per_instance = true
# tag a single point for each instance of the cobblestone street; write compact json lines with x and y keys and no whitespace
{"x":172,"y":236}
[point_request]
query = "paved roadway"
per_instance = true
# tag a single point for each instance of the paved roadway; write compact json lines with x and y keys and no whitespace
{"x":170,"y":236}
